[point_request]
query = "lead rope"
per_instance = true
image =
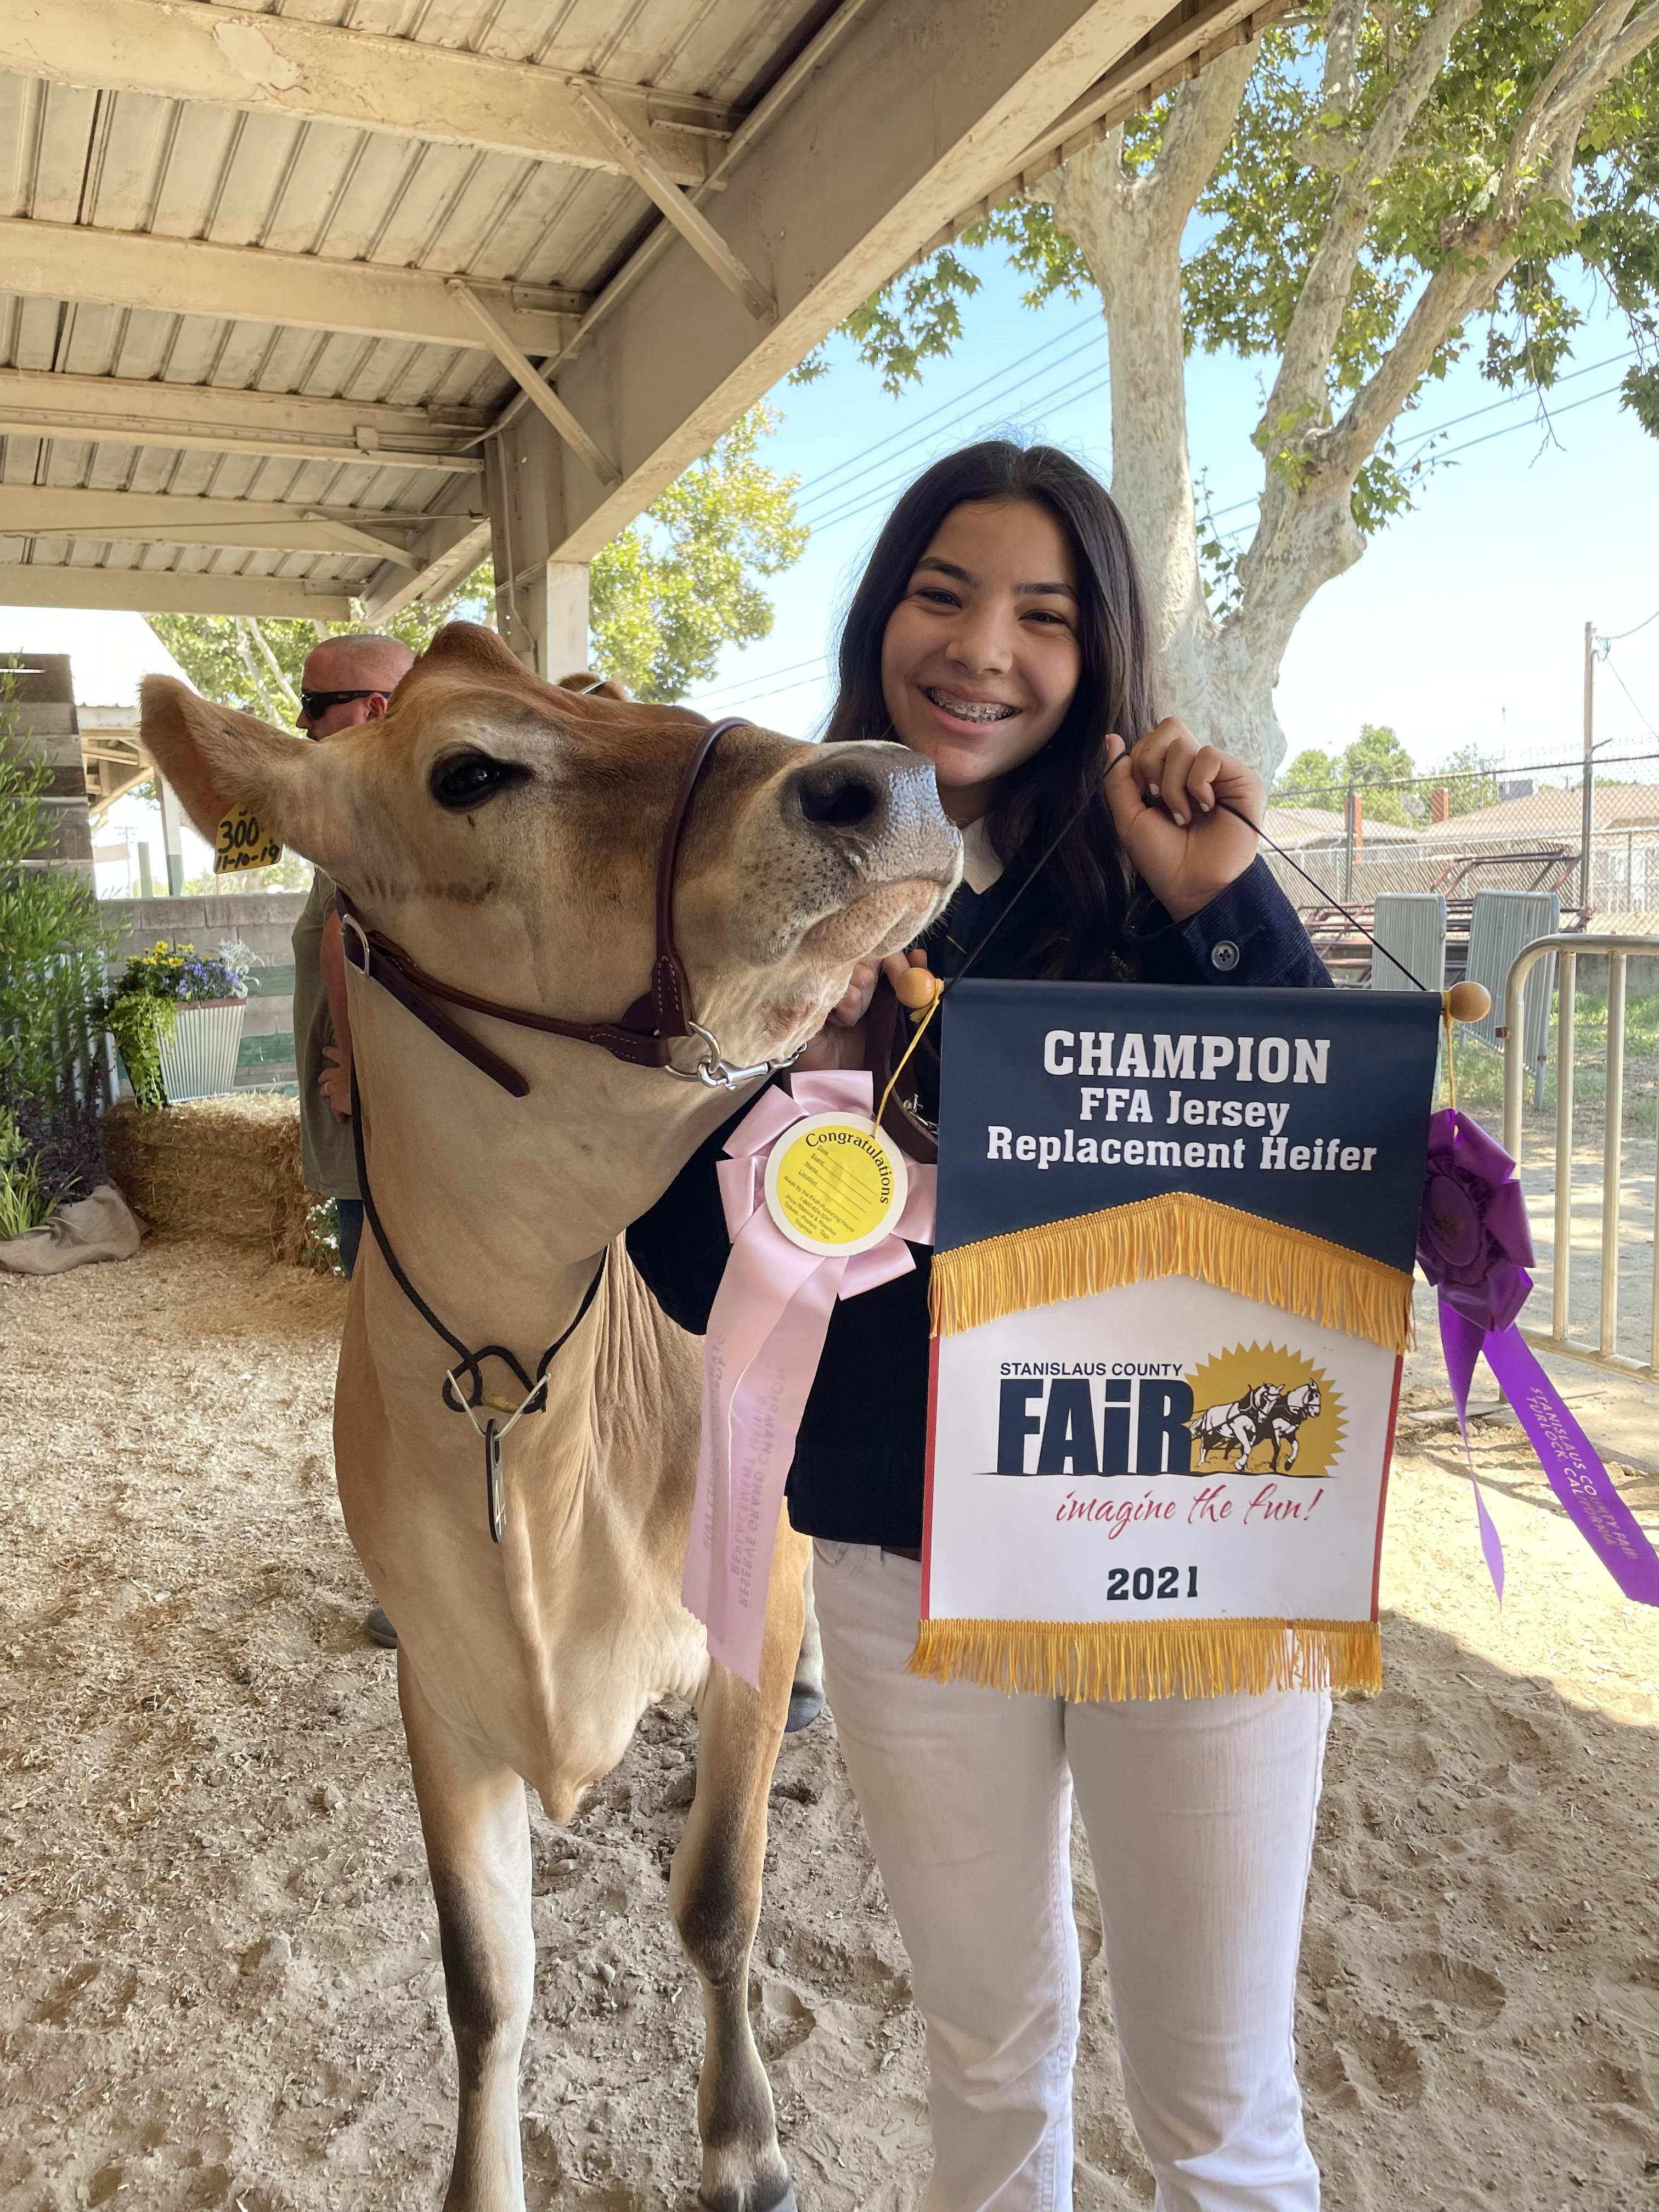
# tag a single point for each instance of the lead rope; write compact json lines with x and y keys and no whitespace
{"x":470,"y":1364}
{"x":923,"y":1017}
{"x":1238,"y":815}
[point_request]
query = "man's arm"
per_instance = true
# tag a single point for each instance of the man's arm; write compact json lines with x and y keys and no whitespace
{"x":335,"y":1081}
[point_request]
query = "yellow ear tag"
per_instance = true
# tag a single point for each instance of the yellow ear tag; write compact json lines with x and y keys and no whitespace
{"x":835,"y":1186}
{"x":241,"y":843}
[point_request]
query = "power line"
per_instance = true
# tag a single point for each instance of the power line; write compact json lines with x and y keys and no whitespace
{"x":1618,"y":636}
{"x":825,"y":481}
{"x":906,"y":469}
{"x":1045,"y":403}
{"x":1509,"y":399}
{"x":1463,"y":445}
{"x":1614,"y":666}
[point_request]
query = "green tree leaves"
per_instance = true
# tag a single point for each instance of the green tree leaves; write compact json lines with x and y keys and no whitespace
{"x":684,"y":579}
{"x":51,"y":946}
{"x":1394,"y":789}
{"x":1446,"y":195}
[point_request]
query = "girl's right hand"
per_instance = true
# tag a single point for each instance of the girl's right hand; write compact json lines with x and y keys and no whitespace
{"x":840,"y":1042}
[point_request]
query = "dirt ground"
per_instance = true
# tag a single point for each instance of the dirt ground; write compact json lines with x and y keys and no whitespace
{"x":219,"y":1983}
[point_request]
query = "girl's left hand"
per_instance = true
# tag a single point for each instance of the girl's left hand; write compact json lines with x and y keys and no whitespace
{"x":1163,"y":803}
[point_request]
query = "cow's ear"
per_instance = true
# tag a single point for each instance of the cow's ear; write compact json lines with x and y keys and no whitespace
{"x":464,"y":649}
{"x":593,"y":686}
{"x":217,"y":759}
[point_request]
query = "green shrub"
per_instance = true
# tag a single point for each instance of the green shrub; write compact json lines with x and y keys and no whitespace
{"x":23,"y":1205}
{"x":52,"y":954}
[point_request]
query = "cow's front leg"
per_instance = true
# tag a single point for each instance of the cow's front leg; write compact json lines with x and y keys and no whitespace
{"x":478,"y":1850}
{"x":806,"y":1691}
{"x":714,"y":1892}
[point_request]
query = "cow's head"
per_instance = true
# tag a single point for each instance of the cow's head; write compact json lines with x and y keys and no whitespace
{"x":505,"y":832}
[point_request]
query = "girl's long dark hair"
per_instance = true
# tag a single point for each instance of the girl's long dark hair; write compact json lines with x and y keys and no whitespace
{"x":1074,"y":922}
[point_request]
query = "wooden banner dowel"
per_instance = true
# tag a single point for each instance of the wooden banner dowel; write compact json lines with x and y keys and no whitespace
{"x":1466,"y":1001}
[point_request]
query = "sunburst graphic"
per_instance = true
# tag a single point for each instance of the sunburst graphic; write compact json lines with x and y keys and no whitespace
{"x":1266,"y":1410}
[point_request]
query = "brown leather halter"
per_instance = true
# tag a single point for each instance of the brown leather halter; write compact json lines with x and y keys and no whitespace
{"x":644,"y":1036}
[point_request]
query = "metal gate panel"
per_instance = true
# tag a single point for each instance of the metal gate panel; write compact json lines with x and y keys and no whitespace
{"x":1501,"y":926}
{"x":1412,"y":925}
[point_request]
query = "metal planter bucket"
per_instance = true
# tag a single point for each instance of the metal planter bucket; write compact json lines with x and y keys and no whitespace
{"x":199,"y":1061}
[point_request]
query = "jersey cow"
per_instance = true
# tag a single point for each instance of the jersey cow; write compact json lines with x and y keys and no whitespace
{"x":498,"y":839}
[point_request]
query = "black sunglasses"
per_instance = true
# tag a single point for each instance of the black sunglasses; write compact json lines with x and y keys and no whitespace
{"x":314,"y":703}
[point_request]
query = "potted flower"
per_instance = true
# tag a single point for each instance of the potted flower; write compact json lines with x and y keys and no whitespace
{"x":177,"y":1017}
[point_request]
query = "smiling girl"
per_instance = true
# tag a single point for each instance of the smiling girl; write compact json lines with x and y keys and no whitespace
{"x":999,"y":629}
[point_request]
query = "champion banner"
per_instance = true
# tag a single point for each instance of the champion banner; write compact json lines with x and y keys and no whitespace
{"x":1171,"y":1287}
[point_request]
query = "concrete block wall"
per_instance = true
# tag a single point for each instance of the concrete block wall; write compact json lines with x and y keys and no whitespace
{"x":264,"y":923}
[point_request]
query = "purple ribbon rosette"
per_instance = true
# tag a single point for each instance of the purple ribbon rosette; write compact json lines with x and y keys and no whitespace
{"x":1476,"y":1246}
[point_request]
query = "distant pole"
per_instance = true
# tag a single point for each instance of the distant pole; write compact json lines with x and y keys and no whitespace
{"x":1588,"y":824}
{"x":173,"y":841}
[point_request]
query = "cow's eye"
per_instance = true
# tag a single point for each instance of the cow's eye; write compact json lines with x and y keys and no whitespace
{"x":466,"y":779}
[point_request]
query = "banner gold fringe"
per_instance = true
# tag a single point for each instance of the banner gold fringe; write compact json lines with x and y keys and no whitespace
{"x":1175,"y":1234}
{"x":1090,"y":1660}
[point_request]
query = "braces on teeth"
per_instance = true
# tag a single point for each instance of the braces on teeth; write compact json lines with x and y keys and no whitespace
{"x":975,"y":710}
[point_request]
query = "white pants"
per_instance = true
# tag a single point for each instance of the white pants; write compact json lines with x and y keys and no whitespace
{"x":1200,"y":1817}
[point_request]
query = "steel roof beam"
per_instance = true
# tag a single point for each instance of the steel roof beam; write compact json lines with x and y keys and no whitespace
{"x":169,"y":591}
{"x":174,"y":519}
{"x":214,"y":418}
{"x":363,"y":80}
{"x":528,"y":378}
{"x":1175,"y":49}
{"x":444,"y":555}
{"x":683,"y":212}
{"x":252,"y":283}
{"x":919,"y":110}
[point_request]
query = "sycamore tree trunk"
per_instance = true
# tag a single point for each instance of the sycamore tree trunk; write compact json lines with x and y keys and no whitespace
{"x":1220,"y":676}
{"x":1128,"y":229}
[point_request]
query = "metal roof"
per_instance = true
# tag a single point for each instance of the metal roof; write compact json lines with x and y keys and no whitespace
{"x":236,"y":371}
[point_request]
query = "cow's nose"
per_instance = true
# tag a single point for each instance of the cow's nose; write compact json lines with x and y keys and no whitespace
{"x":842,"y":792}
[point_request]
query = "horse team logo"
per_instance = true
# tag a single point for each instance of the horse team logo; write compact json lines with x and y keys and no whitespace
{"x":1264,"y":1410}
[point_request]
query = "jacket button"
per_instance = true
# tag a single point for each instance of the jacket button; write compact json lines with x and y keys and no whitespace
{"x":1223,"y":955}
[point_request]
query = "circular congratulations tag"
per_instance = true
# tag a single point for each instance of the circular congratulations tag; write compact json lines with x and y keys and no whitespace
{"x":835,"y":1186}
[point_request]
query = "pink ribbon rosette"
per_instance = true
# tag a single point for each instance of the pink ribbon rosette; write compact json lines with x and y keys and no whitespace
{"x":765,"y":1338}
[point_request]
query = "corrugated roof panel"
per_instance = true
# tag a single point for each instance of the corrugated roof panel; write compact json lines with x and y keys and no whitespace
{"x":127,"y":162}
{"x":63,"y":132}
{"x":136,"y":136}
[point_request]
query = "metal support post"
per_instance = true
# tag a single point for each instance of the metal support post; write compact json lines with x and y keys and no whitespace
{"x":541,"y":604}
{"x":1570,"y":949}
{"x":172,"y":835}
{"x":1566,"y":1035}
{"x":1612,"y":1158}
{"x":1587,"y":828}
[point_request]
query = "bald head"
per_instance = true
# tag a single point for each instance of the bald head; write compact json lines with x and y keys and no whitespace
{"x":370,"y":665}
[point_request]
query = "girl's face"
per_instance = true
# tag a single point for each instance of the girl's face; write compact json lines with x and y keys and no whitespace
{"x":981,"y":658}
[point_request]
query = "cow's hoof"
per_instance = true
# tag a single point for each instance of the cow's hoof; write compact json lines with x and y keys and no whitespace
{"x":805,"y":1706}
{"x":784,"y":2204}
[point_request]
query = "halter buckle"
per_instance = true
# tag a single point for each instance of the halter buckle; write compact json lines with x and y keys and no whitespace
{"x":716,"y":1072}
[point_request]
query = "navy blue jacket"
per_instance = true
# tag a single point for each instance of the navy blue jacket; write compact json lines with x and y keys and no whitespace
{"x":858,"y":1470}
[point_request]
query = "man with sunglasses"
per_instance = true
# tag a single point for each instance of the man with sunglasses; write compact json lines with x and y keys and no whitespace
{"x":346,"y":681}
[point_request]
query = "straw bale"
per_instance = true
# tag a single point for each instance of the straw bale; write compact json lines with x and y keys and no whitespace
{"x":222,"y":1167}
